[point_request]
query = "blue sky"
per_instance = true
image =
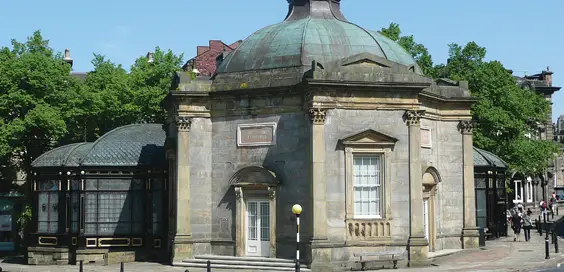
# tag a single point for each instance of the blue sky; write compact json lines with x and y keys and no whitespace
{"x":525,"y":36}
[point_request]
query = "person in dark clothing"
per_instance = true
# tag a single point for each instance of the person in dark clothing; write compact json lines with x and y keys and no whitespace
{"x":527,"y":225}
{"x":516,"y":224}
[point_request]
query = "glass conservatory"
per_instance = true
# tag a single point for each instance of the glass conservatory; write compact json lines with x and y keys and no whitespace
{"x":491,"y":197}
{"x":103,"y":201}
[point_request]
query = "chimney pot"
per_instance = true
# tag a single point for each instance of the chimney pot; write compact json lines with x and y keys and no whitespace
{"x":67,"y":58}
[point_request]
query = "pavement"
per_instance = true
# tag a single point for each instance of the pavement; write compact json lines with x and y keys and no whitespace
{"x":499,"y":255}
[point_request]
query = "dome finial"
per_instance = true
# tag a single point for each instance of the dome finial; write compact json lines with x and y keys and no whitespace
{"x":299,"y":9}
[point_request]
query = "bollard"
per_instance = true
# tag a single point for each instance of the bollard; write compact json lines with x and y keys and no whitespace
{"x":556,"y":243}
{"x":546,"y":241}
{"x":80,"y":266}
{"x":546,"y":249}
{"x":297,"y":266}
{"x":208,"y":266}
{"x":121,"y":268}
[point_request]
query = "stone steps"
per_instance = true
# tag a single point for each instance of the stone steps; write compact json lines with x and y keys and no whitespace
{"x":231,"y":262}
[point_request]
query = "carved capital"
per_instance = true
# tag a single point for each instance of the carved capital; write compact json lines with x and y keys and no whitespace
{"x":413,"y":117}
{"x":238,"y":193}
{"x":272,"y":192}
{"x":466,"y":126}
{"x":317,"y":116}
{"x":183,"y":123}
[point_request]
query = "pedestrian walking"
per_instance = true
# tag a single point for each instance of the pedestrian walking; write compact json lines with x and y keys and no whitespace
{"x":527,"y":225}
{"x":553,"y":203}
{"x":516,"y":224}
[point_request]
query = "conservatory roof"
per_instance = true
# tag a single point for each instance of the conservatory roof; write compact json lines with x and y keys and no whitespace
{"x":131,"y":145}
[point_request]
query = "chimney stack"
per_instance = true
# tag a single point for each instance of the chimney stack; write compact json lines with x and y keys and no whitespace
{"x":67,"y":57}
{"x":547,"y":76}
{"x":150,"y":57}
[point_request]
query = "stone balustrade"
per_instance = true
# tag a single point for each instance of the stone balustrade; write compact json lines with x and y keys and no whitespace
{"x":366,"y":229}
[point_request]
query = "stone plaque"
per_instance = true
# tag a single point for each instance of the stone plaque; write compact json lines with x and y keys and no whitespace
{"x":256,"y":134}
{"x":426,"y":137}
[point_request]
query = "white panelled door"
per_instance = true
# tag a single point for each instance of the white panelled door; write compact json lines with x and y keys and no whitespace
{"x":258,"y":228}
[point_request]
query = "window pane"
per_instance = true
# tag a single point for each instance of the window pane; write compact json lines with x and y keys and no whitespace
{"x":75,"y":185}
{"x":74,"y":211}
{"x":264,"y":221}
{"x":252,"y":214}
{"x":114,"y":184}
{"x":91,"y":184}
{"x":137,"y":203}
{"x":367,"y":178}
{"x":114,"y":207}
{"x":48,"y":185}
{"x":43,"y":205}
{"x":157,"y":212}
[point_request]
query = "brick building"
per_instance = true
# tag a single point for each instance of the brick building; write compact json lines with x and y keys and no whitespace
{"x":205,"y":59}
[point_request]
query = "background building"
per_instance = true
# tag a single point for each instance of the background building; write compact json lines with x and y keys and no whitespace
{"x":205,"y":61}
{"x":532,"y":190}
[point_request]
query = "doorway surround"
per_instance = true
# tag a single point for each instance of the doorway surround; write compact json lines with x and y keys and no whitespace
{"x":431,"y":179}
{"x":252,"y":183}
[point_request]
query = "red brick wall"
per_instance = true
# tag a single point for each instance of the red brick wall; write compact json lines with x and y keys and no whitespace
{"x":206,"y":59}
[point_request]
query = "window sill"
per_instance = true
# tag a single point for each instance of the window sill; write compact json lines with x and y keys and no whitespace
{"x":366,"y":218}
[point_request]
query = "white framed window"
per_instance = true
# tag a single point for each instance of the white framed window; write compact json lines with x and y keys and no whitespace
{"x":367,"y":185}
{"x":518,"y":189}
{"x":367,"y":172}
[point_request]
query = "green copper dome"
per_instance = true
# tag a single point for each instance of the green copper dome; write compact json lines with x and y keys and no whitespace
{"x":313,"y":30}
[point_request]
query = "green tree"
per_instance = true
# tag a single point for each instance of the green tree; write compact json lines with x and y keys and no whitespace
{"x":35,"y":89}
{"x":419,"y":52}
{"x":112,"y":97}
{"x":151,"y":82}
{"x":508,"y":117}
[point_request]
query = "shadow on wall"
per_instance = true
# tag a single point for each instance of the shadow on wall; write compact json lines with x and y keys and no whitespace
{"x":287,"y":159}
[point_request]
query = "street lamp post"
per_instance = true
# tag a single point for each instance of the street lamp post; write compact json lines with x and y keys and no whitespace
{"x":297,"y":210}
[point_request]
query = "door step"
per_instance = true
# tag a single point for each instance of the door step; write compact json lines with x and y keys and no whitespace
{"x":231,"y":262}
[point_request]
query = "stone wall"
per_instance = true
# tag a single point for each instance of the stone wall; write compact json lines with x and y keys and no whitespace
{"x":446,"y":156}
{"x":343,"y":123}
{"x":200,"y":152}
{"x":47,"y":256}
{"x":288,"y":159}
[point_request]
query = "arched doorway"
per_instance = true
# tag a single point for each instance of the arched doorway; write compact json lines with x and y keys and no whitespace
{"x":255,"y":196}
{"x":430,"y":180}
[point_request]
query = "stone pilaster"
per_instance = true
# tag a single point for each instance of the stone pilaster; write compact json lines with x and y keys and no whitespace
{"x":182,"y":242}
{"x":320,"y":256}
{"x":418,"y":244}
{"x":470,"y":232}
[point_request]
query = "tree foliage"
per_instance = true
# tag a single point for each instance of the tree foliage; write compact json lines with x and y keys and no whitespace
{"x":36,"y":90}
{"x":418,"y":51}
{"x":507,"y":116}
{"x":42,"y":105}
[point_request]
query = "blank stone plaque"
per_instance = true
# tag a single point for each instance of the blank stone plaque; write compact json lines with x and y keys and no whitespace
{"x":256,"y":134}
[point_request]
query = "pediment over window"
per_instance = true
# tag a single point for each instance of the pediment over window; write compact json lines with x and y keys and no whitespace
{"x":370,"y":138}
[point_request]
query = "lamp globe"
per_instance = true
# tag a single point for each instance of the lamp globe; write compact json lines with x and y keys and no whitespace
{"x":297,"y":209}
